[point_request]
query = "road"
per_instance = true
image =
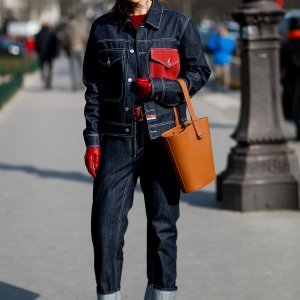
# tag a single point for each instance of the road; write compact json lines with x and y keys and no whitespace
{"x":46,"y":194}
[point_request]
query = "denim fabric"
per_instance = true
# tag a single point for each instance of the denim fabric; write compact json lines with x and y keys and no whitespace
{"x":117,"y":54}
{"x":123,"y":161}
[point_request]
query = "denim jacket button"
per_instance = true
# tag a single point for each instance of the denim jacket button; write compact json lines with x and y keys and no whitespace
{"x":126,"y":108}
{"x":129,"y":79}
{"x":131,"y":51}
{"x":127,"y":130}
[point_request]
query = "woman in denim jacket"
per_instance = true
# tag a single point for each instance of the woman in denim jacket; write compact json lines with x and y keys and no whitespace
{"x":133,"y":57}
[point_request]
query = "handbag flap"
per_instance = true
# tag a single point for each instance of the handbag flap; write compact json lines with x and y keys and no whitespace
{"x":165,"y":56}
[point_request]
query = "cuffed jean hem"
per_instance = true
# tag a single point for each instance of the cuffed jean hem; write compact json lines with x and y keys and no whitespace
{"x":155,"y":294}
{"x":113,"y":296}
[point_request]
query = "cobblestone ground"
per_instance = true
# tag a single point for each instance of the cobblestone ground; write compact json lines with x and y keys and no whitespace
{"x":45,"y":245}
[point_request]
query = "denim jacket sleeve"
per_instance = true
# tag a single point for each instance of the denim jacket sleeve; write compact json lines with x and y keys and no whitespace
{"x":90,"y":80}
{"x":194,"y":70}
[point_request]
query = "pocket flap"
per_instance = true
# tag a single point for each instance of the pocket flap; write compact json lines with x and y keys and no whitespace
{"x":109,"y":57}
{"x":165,"y":56}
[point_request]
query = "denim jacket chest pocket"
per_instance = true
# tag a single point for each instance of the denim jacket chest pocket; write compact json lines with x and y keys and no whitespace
{"x":112,"y":69}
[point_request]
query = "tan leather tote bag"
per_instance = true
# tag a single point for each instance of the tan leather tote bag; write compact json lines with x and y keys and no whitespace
{"x":189,"y":148}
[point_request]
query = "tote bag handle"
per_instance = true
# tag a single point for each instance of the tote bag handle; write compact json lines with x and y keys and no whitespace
{"x":190,"y":109}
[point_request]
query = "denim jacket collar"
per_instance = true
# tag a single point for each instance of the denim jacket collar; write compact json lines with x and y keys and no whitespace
{"x":155,"y":15}
{"x":153,"y":19}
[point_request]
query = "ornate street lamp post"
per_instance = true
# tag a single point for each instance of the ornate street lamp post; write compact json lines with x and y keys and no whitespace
{"x":262,"y":170}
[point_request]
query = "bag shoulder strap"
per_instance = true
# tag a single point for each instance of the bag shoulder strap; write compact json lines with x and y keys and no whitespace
{"x":190,"y":107}
{"x":176,"y":114}
{"x":187,"y":99}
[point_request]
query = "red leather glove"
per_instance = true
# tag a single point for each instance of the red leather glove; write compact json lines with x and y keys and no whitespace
{"x":92,"y":159}
{"x":143,"y":88}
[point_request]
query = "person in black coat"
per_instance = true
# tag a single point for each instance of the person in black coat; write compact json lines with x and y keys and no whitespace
{"x":290,"y":69}
{"x":46,"y":47}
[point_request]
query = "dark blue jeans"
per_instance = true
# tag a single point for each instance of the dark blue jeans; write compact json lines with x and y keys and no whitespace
{"x":123,"y":161}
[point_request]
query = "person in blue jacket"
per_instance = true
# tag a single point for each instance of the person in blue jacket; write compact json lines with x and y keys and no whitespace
{"x":222,"y":48}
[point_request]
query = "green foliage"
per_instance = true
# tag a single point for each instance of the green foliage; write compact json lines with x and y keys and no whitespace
{"x":10,"y":65}
{"x":11,"y":83}
{"x":11,"y":74}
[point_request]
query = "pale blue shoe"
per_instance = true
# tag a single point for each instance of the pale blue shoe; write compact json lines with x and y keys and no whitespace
{"x":114,"y":296}
{"x":154,"y":294}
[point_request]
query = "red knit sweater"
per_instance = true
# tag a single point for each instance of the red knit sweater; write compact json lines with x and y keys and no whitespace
{"x":137,"y":20}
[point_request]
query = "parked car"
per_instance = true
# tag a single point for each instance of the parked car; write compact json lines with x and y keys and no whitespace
{"x":9,"y":47}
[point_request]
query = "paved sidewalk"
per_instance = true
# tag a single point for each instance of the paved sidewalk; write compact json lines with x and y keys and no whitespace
{"x":45,"y":245}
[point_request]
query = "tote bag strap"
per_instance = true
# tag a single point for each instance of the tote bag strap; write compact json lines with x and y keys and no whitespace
{"x":187,"y":98}
{"x":189,"y":106}
{"x":176,"y":114}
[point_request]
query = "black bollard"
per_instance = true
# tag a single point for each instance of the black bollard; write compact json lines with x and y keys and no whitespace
{"x":263,"y":171}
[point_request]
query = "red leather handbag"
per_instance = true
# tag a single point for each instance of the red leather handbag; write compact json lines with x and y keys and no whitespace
{"x":164,"y":63}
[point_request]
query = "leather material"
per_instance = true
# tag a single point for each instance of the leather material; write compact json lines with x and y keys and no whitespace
{"x":92,"y":159}
{"x":190,"y":150}
{"x":138,"y":113}
{"x":143,"y":88}
{"x":164,"y":62}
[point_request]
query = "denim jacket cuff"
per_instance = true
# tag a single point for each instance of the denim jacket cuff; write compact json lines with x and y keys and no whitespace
{"x":92,"y":140}
{"x":158,"y":90}
{"x":166,"y":92}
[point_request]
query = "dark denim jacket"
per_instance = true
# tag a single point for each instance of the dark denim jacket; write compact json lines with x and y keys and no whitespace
{"x":117,"y":53}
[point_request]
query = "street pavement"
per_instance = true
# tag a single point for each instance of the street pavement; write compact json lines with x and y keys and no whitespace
{"x":46,"y":197}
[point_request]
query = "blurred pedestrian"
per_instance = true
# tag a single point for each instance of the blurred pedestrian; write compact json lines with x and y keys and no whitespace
{"x":290,"y":71}
{"x":46,"y":45}
{"x":133,"y":57}
{"x":74,"y":41}
{"x":222,"y":47}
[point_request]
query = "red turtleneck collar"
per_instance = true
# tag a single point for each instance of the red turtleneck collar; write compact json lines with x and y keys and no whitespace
{"x":137,"y":20}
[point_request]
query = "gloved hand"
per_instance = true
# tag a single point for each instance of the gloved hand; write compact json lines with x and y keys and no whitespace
{"x":143,"y":88}
{"x":92,"y":159}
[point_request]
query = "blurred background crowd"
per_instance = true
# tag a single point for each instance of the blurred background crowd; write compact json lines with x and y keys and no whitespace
{"x":34,"y":32}
{"x":20,"y":20}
